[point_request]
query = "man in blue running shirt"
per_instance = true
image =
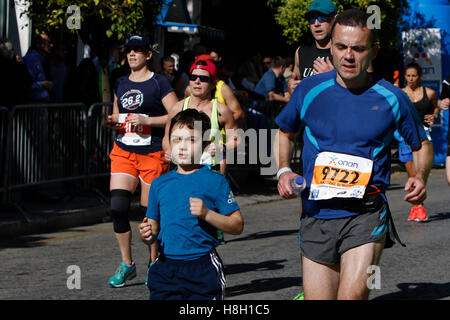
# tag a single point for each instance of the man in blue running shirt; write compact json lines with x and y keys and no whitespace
{"x":348,"y":118}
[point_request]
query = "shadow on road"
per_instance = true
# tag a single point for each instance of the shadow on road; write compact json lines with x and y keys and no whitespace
{"x":418,"y":291}
{"x":439,"y":216}
{"x":265,"y":234}
{"x":262,"y":285}
{"x":247,"y":267}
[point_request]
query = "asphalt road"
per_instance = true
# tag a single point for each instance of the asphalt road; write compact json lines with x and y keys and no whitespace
{"x":261,"y":264}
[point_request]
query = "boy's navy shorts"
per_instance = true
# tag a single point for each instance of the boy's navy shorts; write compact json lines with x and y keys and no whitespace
{"x":200,"y":279}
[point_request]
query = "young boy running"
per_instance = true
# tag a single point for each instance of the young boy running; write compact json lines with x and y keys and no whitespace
{"x":187,"y":206}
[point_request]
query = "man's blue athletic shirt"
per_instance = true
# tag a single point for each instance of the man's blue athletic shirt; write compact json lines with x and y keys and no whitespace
{"x":338,"y":120}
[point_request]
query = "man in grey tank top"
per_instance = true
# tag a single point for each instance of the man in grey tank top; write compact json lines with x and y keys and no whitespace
{"x":310,"y":60}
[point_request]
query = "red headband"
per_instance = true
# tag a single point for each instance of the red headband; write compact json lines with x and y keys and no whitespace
{"x":210,"y":67}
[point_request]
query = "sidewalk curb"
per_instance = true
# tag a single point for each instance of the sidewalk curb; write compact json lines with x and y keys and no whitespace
{"x":51,"y":222}
{"x":82,"y":217}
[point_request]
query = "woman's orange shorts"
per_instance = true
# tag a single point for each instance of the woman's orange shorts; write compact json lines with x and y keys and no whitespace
{"x":147,"y":167}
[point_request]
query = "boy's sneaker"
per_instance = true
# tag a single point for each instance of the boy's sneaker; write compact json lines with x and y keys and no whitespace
{"x":300,"y":296}
{"x":413,"y":214}
{"x":123,"y":274}
{"x":421,"y":215}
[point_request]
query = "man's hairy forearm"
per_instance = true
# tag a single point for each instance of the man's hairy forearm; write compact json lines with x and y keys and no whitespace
{"x":283,"y":146}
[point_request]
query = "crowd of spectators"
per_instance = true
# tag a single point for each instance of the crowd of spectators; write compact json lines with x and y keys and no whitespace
{"x":45,"y":74}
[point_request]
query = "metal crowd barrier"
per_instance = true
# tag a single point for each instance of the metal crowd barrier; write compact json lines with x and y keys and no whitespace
{"x":100,"y":140}
{"x":5,"y":120}
{"x":47,"y":144}
{"x":261,"y":115}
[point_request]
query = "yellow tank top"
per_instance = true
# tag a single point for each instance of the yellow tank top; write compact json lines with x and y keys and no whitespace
{"x":218,"y":93}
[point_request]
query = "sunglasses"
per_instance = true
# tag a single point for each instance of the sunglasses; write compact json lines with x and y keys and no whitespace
{"x":135,"y":49}
{"x":320,"y":18}
{"x":193,"y":77}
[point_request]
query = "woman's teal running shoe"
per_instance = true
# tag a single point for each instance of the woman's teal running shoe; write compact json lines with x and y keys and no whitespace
{"x":123,"y":273}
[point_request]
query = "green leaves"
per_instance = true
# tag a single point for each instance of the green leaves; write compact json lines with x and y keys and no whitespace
{"x":290,"y":14}
{"x":117,"y":18}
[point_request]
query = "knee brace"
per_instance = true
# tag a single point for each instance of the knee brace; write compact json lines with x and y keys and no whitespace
{"x":120,"y":206}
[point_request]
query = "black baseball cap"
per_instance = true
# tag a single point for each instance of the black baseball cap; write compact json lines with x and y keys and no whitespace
{"x":139,"y":41}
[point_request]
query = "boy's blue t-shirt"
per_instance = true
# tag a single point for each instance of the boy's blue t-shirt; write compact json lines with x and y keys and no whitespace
{"x":355,"y":123}
{"x":182,"y":235}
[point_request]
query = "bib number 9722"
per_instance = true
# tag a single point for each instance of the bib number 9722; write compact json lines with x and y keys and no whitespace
{"x":341,"y":175}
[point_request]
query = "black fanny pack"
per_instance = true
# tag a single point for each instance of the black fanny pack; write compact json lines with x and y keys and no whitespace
{"x":371,"y":202}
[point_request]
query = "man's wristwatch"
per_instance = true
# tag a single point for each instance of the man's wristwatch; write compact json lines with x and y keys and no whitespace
{"x":283,"y":170}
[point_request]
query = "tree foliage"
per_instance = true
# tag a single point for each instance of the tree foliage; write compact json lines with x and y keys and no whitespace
{"x":109,"y":18}
{"x":102,"y":22}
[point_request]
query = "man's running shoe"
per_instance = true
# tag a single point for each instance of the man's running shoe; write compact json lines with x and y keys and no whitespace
{"x":421,"y":215}
{"x":300,"y":296}
{"x":413,"y":214}
{"x":123,"y":273}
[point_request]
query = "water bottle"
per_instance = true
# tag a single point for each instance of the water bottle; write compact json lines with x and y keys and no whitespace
{"x":298,"y":184}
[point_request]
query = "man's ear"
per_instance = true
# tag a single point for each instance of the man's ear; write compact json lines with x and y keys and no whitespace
{"x":375,"y":51}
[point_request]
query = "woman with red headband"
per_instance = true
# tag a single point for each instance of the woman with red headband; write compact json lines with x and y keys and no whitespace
{"x":202,"y":80}
{"x":222,"y":92}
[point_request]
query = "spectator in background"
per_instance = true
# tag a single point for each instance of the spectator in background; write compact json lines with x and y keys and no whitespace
{"x":289,"y":69}
{"x":58,"y":72}
{"x":273,"y":85}
{"x":167,"y":65}
{"x":34,"y":60}
{"x":266,"y":63}
{"x":250,"y":72}
{"x":122,"y":69}
{"x":82,"y":85}
{"x":115,"y":57}
{"x":15,"y":80}
{"x":186,"y":60}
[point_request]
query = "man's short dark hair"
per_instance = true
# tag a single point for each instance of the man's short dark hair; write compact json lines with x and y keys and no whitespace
{"x":188,"y":117}
{"x":278,"y":62}
{"x":167,"y":59}
{"x":355,"y":17}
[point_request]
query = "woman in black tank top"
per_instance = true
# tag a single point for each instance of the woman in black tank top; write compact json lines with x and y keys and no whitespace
{"x":425,"y":101}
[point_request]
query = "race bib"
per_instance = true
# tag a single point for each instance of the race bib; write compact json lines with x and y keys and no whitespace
{"x":338,"y":175}
{"x":132,"y":135}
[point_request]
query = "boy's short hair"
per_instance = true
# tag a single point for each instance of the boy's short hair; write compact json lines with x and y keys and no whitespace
{"x":188,"y":118}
